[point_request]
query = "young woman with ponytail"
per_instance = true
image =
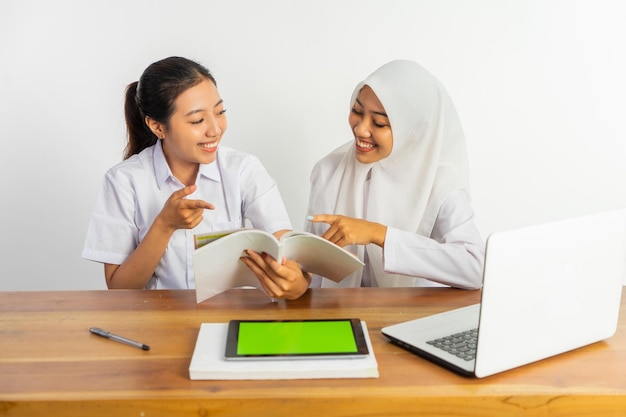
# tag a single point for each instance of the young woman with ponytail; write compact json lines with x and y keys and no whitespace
{"x":177,"y":180}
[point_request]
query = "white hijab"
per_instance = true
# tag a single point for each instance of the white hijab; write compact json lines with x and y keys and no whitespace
{"x":427,"y":163}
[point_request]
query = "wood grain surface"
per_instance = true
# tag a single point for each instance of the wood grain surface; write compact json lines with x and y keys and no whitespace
{"x":51,"y":365}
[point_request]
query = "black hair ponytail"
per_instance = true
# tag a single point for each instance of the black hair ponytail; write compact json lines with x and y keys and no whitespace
{"x":140,"y":136}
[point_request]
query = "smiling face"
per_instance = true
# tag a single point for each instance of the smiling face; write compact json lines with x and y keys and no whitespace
{"x":371,"y":128}
{"x":194,"y":130}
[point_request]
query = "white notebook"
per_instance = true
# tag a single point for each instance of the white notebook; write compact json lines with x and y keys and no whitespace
{"x":208,"y":362}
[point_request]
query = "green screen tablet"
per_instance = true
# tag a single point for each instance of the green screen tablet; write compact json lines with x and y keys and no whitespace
{"x":295,"y":339}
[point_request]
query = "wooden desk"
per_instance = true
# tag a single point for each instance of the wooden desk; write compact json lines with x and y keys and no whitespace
{"x":51,"y":365}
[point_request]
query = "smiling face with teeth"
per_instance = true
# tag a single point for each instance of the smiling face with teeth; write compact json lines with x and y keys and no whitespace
{"x":193,"y":132}
{"x":371,"y":128}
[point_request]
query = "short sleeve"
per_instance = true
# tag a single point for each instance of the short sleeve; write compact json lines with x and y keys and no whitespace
{"x":263,"y":205}
{"x":112,"y":234}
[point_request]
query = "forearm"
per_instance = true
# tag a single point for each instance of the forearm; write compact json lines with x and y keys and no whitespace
{"x":453,"y":255}
{"x":456,"y":263}
{"x":139,"y":267}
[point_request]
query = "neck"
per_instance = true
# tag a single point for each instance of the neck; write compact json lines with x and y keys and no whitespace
{"x":185,"y":172}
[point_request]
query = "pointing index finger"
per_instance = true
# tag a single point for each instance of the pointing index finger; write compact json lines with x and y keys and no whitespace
{"x":201,"y":204}
{"x":324,"y":218}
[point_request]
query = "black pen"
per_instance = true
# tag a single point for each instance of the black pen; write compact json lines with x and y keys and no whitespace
{"x":111,"y":336}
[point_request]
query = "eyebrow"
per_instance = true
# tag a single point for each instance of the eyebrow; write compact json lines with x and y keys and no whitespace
{"x":375,"y":112}
{"x":201,"y":110}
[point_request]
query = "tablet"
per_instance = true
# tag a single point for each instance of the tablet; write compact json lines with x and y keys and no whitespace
{"x":295,"y":339}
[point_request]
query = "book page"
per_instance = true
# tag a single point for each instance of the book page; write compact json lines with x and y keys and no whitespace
{"x":319,"y":256}
{"x":204,"y":238}
{"x":218,"y":268}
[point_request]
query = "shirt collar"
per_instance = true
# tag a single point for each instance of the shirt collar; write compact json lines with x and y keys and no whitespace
{"x":211,"y":171}
{"x":161,"y":168}
{"x":163,"y":172}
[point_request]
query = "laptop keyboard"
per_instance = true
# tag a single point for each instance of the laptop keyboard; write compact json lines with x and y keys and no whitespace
{"x":462,"y":345}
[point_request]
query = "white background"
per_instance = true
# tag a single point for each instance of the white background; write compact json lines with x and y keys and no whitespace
{"x":539,"y":86}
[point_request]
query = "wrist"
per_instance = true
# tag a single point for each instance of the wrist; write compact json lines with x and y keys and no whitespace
{"x":162,"y":227}
{"x":380,"y":235}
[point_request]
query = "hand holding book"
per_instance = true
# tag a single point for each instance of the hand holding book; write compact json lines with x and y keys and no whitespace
{"x":217,"y":266}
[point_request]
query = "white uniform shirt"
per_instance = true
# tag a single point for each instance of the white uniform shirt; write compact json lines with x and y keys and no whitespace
{"x":134,"y":192}
{"x":453,"y":255}
{"x":420,"y":190}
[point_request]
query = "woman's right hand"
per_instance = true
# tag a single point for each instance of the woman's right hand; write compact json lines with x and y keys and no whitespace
{"x":346,"y":230}
{"x":179,"y":212}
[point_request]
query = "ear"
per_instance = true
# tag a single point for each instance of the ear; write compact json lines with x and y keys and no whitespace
{"x":156,"y":127}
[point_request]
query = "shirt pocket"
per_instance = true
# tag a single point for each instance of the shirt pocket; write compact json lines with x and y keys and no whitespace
{"x":212,"y":227}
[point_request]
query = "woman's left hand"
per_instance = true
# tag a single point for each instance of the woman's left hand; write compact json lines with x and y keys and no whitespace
{"x":279,"y":280}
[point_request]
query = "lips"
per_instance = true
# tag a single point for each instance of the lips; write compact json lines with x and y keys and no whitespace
{"x":364,"y":146}
{"x":208,"y":146}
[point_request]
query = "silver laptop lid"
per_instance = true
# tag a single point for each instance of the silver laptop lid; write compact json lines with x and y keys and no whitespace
{"x":550,"y":288}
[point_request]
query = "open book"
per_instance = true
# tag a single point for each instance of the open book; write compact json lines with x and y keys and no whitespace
{"x":217,"y":266}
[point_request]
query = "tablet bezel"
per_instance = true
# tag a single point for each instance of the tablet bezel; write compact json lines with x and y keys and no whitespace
{"x":356,"y":326}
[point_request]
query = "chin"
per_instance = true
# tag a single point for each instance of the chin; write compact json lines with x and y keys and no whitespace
{"x":367,"y":159}
{"x":208,"y":159}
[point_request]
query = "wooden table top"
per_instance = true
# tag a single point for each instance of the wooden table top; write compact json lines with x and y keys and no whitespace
{"x":51,"y":365}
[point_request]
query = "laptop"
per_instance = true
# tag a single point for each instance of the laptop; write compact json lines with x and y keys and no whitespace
{"x":547,"y":289}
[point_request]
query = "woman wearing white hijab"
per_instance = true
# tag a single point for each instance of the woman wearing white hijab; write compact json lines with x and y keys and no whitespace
{"x":397,"y":195}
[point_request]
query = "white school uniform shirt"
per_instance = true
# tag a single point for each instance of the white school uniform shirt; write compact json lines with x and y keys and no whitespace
{"x":134,"y":192}
{"x":452,"y":256}
{"x":420,"y":191}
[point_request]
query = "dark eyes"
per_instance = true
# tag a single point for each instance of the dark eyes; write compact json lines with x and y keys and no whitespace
{"x":360,"y":113}
{"x":197,"y":122}
{"x":355,"y":111}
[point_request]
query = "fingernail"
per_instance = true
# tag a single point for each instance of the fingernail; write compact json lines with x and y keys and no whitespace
{"x":309,"y":217}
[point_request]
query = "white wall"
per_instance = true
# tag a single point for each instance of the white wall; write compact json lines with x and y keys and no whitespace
{"x":539,"y":85}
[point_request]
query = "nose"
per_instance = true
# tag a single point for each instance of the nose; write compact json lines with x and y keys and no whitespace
{"x":213,"y":128}
{"x":362,"y":128}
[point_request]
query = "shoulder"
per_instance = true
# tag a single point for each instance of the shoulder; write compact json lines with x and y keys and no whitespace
{"x":456,"y":210}
{"x":457,"y":201}
{"x":133,"y":168}
{"x":246,"y":167}
{"x":233,"y":158}
{"x":331,"y":162}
